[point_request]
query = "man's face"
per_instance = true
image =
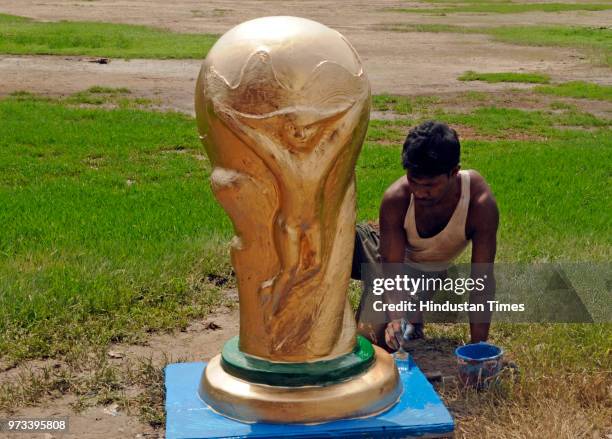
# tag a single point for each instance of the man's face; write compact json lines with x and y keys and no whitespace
{"x":427,"y":190}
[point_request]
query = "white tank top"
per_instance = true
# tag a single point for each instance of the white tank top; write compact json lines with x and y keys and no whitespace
{"x":440,"y":250}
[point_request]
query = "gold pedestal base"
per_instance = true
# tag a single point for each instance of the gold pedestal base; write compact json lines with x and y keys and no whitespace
{"x":366,"y":394}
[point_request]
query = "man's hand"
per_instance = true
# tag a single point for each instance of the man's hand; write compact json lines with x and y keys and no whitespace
{"x":393,"y":334}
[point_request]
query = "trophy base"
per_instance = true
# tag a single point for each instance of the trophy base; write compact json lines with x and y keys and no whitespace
{"x":365,"y":394}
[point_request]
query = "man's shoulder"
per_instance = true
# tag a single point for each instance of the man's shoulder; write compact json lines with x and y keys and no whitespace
{"x":394,"y":203}
{"x":483,"y":211}
{"x":480,"y":191}
{"x":396,"y":195}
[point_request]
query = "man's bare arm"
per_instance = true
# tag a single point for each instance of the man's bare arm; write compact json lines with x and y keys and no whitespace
{"x":392,"y":246}
{"x":484,"y":245}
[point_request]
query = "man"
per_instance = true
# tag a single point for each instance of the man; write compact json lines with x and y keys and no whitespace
{"x":429,"y":216}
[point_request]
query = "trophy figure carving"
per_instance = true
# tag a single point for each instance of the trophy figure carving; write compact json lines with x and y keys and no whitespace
{"x":282,"y":105}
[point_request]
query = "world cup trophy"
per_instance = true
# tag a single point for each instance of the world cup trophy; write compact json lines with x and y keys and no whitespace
{"x":282,"y":106}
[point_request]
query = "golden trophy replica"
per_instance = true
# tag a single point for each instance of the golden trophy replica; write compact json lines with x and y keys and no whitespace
{"x":282,"y":106}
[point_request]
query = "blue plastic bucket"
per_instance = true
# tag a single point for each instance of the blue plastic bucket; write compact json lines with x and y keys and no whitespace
{"x":478,"y":363}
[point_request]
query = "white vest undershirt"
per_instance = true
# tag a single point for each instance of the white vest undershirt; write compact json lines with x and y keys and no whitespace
{"x":441,"y":249}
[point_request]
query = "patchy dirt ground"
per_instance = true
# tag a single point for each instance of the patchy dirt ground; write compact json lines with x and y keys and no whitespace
{"x":218,"y":15}
{"x":199,"y":342}
{"x":403,"y":63}
{"x":94,"y":423}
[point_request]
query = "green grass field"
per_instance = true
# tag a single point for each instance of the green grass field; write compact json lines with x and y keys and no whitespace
{"x":111,"y":231}
{"x":530,"y":78}
{"x":579,"y":90}
{"x":111,"y":222}
{"x":20,"y":36}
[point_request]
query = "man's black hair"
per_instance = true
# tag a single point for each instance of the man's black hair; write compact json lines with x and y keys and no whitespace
{"x":431,"y":149}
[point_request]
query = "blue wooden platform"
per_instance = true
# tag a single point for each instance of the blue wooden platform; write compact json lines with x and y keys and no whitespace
{"x":419,"y":413}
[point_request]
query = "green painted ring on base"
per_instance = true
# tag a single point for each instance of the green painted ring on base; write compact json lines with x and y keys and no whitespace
{"x":257,"y":370}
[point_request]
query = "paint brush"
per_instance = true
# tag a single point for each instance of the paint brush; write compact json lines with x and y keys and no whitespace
{"x":407,"y":329}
